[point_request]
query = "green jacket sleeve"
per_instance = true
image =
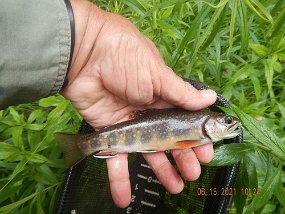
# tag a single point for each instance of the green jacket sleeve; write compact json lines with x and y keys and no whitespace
{"x":35,"y":41}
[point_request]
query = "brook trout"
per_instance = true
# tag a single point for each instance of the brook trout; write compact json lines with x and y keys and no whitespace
{"x":151,"y":131}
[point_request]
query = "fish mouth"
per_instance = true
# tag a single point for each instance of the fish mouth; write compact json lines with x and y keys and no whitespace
{"x":233,"y":131}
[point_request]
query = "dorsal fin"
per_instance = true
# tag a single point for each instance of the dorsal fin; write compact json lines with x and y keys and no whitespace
{"x":138,"y":113}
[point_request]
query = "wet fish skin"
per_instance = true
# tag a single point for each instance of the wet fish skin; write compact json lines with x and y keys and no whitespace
{"x":152,"y":130}
{"x":146,"y":130}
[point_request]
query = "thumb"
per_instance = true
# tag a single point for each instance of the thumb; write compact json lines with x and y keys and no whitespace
{"x":176,"y":91}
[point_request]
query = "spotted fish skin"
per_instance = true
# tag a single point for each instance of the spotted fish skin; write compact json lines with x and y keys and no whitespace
{"x":149,"y":131}
{"x":154,"y":129}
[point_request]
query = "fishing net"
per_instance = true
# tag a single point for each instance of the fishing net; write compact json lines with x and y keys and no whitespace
{"x":86,"y":186}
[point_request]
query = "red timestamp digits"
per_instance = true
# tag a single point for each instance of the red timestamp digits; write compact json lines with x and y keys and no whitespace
{"x":249,"y":191}
{"x":201,"y":191}
{"x":225,"y":191}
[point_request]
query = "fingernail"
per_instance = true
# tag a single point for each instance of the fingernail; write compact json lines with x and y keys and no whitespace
{"x":208,"y":93}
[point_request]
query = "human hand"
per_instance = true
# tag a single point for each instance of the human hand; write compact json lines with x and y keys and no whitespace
{"x":116,"y":70}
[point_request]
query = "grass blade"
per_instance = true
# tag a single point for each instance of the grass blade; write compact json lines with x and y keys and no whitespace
{"x":201,"y":39}
{"x":269,"y":72}
{"x":8,"y":208}
{"x":190,"y":35}
{"x":265,"y":193}
{"x":263,"y":10}
{"x":277,"y":24}
{"x":243,"y":25}
{"x":232,"y":23}
{"x":216,"y":29}
{"x":163,"y":4}
{"x":135,"y":6}
{"x":267,"y":18}
{"x":242,"y":182}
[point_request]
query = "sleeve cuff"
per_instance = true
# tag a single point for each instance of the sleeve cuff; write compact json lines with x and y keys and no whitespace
{"x":72,"y":30}
{"x":36,"y":42}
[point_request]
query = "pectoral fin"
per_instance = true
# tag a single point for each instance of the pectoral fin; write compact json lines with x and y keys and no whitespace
{"x":105,"y":154}
{"x":188,"y":143}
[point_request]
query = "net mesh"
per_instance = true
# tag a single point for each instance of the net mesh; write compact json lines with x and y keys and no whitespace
{"x":86,"y":186}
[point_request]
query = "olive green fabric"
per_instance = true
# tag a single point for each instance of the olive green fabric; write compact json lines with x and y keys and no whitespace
{"x":35,"y":43}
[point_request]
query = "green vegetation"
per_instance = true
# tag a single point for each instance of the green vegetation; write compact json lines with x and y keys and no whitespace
{"x":237,"y":47}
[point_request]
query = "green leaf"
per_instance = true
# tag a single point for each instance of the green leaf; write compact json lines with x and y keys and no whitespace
{"x":46,"y":176}
{"x":241,"y":74}
{"x":19,"y":168}
{"x":243,"y":24}
{"x":38,"y":113}
{"x":269,"y":208}
{"x":262,"y":134}
{"x":267,"y":17}
{"x":269,"y":72}
{"x":10,"y":207}
{"x":281,"y":57}
{"x":9,"y":123}
{"x":39,"y":203}
{"x":251,"y":171}
{"x":6,"y":150}
{"x":232,"y":23}
{"x":156,"y":7}
{"x":259,"y":50}
{"x":242,"y":182}
{"x":277,"y":66}
{"x":216,"y":28}
{"x":189,"y":36}
{"x":17,"y":137}
{"x":36,"y":158}
{"x":10,"y":191}
{"x":55,"y":114}
{"x":256,"y":86}
{"x":35,"y":127}
{"x":263,"y":10}
{"x":51,"y":101}
{"x":53,"y":200}
{"x":135,"y":6}
{"x":201,"y":39}
{"x":265,"y":193}
{"x":15,"y":115}
{"x":220,"y":4}
{"x":277,"y":24}
{"x":282,"y":109}
{"x":279,"y":192}
{"x":228,"y":154}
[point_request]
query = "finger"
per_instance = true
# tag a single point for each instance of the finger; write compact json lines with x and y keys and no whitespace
{"x":165,"y":172}
{"x":176,"y":91}
{"x":119,"y":180}
{"x":139,"y":89}
{"x":187,"y":163}
{"x":204,"y":153}
{"x":159,"y":104}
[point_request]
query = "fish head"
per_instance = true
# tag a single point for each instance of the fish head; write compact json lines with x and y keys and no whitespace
{"x":219,"y":126}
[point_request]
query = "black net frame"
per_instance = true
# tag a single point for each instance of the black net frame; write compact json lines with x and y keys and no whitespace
{"x":86,"y":188}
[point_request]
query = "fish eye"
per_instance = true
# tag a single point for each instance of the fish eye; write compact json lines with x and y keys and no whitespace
{"x":228,"y":119}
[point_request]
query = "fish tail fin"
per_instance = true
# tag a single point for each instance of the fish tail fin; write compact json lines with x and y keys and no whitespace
{"x":71,"y":152}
